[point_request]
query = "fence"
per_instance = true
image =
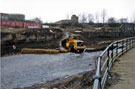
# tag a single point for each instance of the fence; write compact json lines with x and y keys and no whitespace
{"x":107,"y":57}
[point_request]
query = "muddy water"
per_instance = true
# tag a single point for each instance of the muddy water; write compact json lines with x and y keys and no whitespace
{"x":27,"y":70}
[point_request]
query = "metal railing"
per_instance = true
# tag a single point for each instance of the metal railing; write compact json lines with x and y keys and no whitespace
{"x":106,"y":59}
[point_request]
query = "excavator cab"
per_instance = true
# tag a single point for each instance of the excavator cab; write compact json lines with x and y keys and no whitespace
{"x":73,"y":44}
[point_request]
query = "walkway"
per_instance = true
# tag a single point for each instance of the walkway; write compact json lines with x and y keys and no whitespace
{"x":125,"y":67}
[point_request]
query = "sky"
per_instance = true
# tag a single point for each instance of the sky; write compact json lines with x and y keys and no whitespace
{"x":54,"y":10}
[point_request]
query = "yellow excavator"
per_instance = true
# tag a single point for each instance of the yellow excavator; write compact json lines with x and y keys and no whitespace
{"x":74,"y":44}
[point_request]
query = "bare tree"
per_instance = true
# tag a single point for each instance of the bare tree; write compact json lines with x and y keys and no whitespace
{"x":134,"y":21}
{"x":123,"y":20}
{"x":82,"y":18}
{"x":37,"y":20}
{"x":111,"y":20}
{"x":90,"y":18}
{"x":103,"y":15}
{"x":97,"y":17}
{"x":67,"y":17}
{"x":133,"y":17}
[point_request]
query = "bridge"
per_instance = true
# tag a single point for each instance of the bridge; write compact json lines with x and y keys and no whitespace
{"x":120,"y":54}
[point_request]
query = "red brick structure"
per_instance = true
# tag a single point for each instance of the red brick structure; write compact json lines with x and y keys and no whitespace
{"x":5,"y":22}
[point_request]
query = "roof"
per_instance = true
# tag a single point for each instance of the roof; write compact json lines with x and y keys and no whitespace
{"x":78,"y":40}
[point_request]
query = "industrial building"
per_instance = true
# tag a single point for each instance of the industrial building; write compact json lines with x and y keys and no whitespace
{"x":17,"y":21}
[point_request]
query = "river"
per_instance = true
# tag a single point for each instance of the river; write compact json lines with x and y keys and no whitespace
{"x":26,"y":70}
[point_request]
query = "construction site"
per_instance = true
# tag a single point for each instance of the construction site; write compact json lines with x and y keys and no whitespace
{"x":60,"y":55}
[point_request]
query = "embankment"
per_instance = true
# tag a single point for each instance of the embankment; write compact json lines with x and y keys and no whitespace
{"x":13,"y":40}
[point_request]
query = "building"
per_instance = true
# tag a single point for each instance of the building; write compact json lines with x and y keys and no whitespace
{"x":17,"y":17}
{"x":63,"y":22}
{"x":17,"y":21}
{"x":4,"y":16}
{"x":72,"y":21}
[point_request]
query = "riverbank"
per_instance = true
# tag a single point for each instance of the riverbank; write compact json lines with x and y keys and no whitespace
{"x":14,"y":39}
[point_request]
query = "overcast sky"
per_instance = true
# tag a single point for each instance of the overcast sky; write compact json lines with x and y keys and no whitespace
{"x":54,"y":10}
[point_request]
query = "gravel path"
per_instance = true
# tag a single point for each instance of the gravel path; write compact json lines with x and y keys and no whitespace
{"x":125,"y":68}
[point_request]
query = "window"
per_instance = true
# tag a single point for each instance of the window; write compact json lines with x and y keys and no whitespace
{"x":80,"y":44}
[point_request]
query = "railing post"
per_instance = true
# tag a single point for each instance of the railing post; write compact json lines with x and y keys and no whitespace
{"x":126,"y":44}
{"x":116,"y":48}
{"x":122,"y":45}
{"x":112,"y":53}
{"x":97,"y":77}
{"x":131,"y":42}
{"x":108,"y":55}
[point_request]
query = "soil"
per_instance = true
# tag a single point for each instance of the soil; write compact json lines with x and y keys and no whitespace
{"x":13,"y":40}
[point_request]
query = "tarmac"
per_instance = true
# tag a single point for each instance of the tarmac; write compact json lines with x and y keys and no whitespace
{"x":125,"y":68}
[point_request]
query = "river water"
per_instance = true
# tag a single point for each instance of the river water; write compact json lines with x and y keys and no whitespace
{"x":26,"y":70}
